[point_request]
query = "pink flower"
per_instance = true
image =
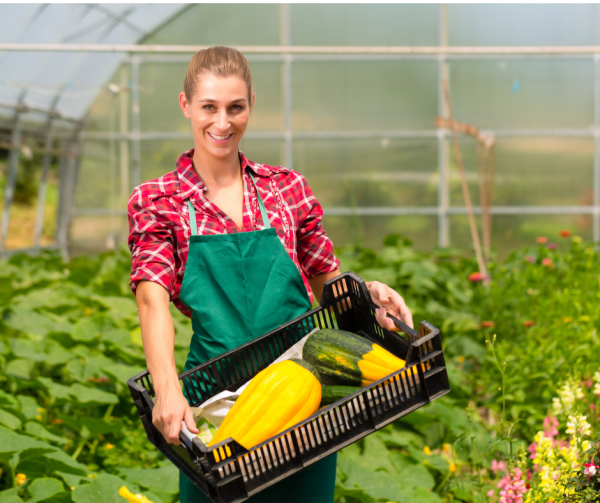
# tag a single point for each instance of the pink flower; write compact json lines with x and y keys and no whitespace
{"x":476,"y":277}
{"x":498,"y":466}
{"x":547,"y":262}
{"x":532,"y":448}
{"x":491,"y":493}
{"x":512,"y":487}
{"x":541,"y":239}
{"x":592,"y":406}
{"x":590,"y":469}
{"x":551,"y":246}
{"x":550,"y":426}
{"x":530,"y":259}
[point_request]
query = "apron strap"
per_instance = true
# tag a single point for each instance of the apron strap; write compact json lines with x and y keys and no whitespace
{"x":193,"y":223}
{"x":263,"y":211}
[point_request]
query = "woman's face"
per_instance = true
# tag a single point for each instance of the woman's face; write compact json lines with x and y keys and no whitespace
{"x":219,"y":113}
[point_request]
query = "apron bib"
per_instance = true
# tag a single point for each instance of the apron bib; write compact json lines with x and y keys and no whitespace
{"x":239,"y":287}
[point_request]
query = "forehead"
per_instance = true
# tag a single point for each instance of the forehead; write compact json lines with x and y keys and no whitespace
{"x":215,"y":87}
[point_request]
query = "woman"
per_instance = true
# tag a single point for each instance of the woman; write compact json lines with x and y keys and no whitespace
{"x":237,"y":246}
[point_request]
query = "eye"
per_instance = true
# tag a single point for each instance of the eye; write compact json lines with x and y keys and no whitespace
{"x":208,"y":107}
{"x":237,"y":108}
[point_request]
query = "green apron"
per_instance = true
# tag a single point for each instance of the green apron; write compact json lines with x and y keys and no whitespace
{"x":239,"y":287}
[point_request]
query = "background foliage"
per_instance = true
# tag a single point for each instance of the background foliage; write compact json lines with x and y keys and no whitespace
{"x":70,"y":338}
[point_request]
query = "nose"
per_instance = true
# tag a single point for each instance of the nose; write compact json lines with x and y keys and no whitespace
{"x":222,"y":120}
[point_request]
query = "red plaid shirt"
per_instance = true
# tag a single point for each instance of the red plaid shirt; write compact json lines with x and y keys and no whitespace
{"x":159,"y":222}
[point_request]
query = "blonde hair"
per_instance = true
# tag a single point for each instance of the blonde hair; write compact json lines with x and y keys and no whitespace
{"x":218,"y":60}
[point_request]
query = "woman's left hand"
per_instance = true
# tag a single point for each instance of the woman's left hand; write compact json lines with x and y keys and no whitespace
{"x":389,"y":301}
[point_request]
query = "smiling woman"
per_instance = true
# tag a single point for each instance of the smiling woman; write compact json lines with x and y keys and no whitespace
{"x":237,"y":246}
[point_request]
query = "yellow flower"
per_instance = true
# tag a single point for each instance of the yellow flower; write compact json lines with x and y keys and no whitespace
{"x":72,"y":488}
{"x":460,"y":359}
{"x":40,"y":409}
{"x":88,"y":311}
{"x":133,"y":498}
{"x":452,"y":467}
{"x":21,"y":477}
{"x":447,"y":448}
{"x":90,"y":476}
{"x":577,"y":239}
{"x":38,"y":417}
{"x":427,"y":450}
{"x":567,"y":319}
{"x":110,"y":446}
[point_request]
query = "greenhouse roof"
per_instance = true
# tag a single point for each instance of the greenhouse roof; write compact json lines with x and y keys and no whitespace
{"x":31,"y":79}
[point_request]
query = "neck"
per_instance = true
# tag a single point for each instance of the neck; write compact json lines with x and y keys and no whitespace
{"x":217,"y":172}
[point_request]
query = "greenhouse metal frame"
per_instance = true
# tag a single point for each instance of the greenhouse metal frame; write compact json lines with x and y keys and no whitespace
{"x":136,"y":55}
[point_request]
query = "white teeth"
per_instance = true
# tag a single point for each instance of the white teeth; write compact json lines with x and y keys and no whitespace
{"x":219,"y":137}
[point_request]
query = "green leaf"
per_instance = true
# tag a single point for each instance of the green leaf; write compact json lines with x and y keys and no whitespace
{"x":56,"y":390}
{"x":416,"y":475}
{"x":51,"y":462}
{"x":63,"y":497}
{"x":35,"y":324}
{"x":41,"y":489}
{"x":7,"y":419}
{"x":121,"y":373}
{"x":8,"y":400}
{"x":3,"y":348}
{"x":20,"y":368}
{"x":90,"y":397}
{"x":104,"y":489}
{"x":37,"y":430}
{"x":86,"y":330}
{"x":24,"y":348}
{"x":13,"y":442}
{"x":95,"y":427}
{"x":72,"y":480}
{"x":117,"y":337}
{"x":164,"y":479}
{"x":10,"y":497}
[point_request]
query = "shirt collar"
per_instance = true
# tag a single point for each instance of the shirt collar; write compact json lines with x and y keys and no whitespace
{"x":191,"y":183}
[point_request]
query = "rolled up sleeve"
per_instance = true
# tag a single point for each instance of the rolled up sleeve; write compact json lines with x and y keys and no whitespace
{"x":151,"y":243}
{"x":315,"y":249}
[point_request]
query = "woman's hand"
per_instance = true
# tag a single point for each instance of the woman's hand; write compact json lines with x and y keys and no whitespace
{"x":170,"y":409}
{"x":389,"y":301}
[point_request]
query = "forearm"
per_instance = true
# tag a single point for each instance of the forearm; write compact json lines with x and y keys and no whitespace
{"x":318,"y":282}
{"x":158,"y":335}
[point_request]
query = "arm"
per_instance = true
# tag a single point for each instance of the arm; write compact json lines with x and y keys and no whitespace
{"x":158,"y":336}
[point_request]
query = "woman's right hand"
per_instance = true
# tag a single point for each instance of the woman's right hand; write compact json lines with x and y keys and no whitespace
{"x":170,"y":409}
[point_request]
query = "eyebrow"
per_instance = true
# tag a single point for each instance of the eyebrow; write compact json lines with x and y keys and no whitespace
{"x":211,"y":100}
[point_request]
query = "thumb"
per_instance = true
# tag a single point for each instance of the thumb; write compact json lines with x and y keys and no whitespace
{"x":189,"y":421}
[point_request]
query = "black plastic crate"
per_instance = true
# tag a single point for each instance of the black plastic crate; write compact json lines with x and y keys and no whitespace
{"x":227,"y":472}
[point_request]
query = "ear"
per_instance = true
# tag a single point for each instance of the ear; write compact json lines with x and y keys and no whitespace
{"x":253,"y":101}
{"x":184,"y":105}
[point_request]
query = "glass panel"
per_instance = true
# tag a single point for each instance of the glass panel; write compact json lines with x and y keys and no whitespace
{"x":99,"y":179}
{"x":513,"y":231}
{"x":371,"y":230}
{"x":531,"y":172}
{"x":95,"y":234}
{"x":523,"y":93}
{"x":521,"y":24}
{"x":364,"y":95}
{"x":161,"y":83}
{"x":365,"y":24}
{"x":104,"y":113}
{"x":271,"y":152}
{"x":221,"y":24}
{"x":369,"y":172}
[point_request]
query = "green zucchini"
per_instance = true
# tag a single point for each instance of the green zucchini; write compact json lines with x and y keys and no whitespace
{"x":331,"y":394}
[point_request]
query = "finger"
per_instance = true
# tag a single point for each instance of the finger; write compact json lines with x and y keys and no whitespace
{"x":382,"y":292}
{"x":173,"y":431}
{"x":189,"y":421}
{"x":384,"y":321}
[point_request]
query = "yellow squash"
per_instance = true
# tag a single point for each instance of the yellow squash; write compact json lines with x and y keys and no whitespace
{"x":277,"y":398}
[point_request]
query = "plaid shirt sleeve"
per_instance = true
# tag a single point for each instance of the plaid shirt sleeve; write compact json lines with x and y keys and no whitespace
{"x":151,"y":243}
{"x":315,"y":249}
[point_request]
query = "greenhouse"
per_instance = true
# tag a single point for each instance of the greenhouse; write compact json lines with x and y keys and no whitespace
{"x":455,"y":151}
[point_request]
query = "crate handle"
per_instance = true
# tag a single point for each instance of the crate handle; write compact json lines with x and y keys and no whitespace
{"x":412,"y":334}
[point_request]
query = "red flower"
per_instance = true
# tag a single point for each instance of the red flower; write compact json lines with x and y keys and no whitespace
{"x":487,"y":324}
{"x":547,"y":262}
{"x":476,"y":277}
{"x":528,"y":323}
{"x":541,"y":239}
{"x":564,"y":233}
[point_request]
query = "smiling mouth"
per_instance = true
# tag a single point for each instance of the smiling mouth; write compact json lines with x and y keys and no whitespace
{"x":220,"y":138}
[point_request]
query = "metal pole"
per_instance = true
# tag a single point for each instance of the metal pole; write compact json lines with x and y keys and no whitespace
{"x":48,"y":145}
{"x":135,"y":122}
{"x":286,"y":37}
{"x":443,"y":190}
{"x":68,"y":184}
{"x":124,"y":130}
{"x":13,"y":165}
